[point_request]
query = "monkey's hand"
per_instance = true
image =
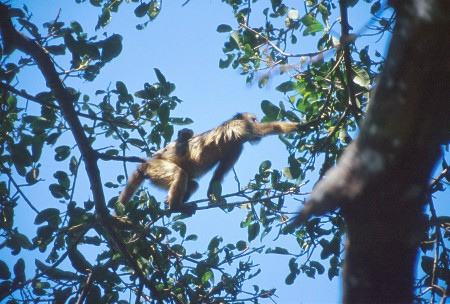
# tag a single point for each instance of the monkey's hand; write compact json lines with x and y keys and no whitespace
{"x":307,"y":125}
{"x":214,"y":190}
{"x":213,"y":197}
{"x":188,"y":209}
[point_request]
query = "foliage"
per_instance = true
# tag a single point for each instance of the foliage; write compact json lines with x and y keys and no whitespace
{"x":317,"y":85}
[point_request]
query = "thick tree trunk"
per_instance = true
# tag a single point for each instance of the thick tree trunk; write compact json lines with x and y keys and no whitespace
{"x":381,"y":180}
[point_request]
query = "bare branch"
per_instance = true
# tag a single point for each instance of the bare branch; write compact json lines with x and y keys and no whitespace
{"x":273,"y":45}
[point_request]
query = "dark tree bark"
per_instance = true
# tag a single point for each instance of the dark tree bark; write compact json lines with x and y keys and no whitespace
{"x":381,"y":181}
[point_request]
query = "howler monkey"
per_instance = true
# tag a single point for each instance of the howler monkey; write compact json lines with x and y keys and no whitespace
{"x":176,"y":166}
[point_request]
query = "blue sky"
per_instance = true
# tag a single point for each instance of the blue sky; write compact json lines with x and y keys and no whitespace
{"x":183,"y":43}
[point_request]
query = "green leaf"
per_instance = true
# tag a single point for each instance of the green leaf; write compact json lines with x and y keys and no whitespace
{"x":112,"y":47}
{"x":290,"y":278}
{"x":235,"y":38}
{"x":63,"y":179}
{"x":79,"y":262}
{"x":223,"y":64}
{"x":141,"y":10}
{"x":56,"y":49}
{"x":62,"y":152}
{"x":313,"y":29}
{"x":263,"y":80}
{"x":47,"y":215}
{"x":154,"y":9}
{"x":76,"y":27}
{"x":121,"y":88}
{"x":207,"y":276}
{"x":361,"y":78}
{"x":224,"y":28}
{"x":318,"y":266}
{"x":5,"y":274}
{"x":23,"y":241}
{"x":164,"y":113}
{"x":277,"y":250}
{"x":295,"y":169}
{"x":162,"y":80}
{"x":55,"y":273}
{"x":241,"y":245}
{"x":58,"y":191}
{"x":136,"y":142}
{"x":375,"y":8}
{"x":32,"y":176}
{"x":37,"y":144}
{"x":192,"y":237}
{"x":270,"y":110}
{"x":253,"y":231}
{"x":181,"y":121}
{"x":312,"y":25}
{"x":20,"y":155}
{"x":103,"y":19}
{"x":180,"y":227}
{"x":264,"y":166}
{"x":286,"y":86}
{"x":73,"y":165}
{"x":19,"y":271}
{"x":214,"y":243}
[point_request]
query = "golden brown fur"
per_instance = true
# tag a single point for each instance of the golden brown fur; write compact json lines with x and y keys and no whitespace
{"x":189,"y":157}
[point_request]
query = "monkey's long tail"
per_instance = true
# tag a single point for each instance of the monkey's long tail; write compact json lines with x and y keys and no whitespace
{"x":135,"y":180}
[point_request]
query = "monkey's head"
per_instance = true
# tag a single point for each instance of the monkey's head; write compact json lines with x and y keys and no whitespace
{"x":250,"y":117}
{"x":185,"y":134}
{"x":249,"y":124}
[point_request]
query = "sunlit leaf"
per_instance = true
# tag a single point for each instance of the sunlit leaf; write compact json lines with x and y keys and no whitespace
{"x":286,"y":87}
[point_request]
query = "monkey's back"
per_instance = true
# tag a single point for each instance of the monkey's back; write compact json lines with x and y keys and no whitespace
{"x":202,"y":152}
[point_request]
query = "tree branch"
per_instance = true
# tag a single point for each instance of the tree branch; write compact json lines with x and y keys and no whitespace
{"x":13,"y":39}
{"x":27,"y":96}
{"x":282,"y":53}
{"x":132,"y":159}
{"x":6,"y":171}
{"x":345,"y":43}
{"x":381,"y":180}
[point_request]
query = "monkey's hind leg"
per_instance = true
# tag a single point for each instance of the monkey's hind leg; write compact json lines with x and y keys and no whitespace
{"x":192,"y":186}
{"x":168,"y":175}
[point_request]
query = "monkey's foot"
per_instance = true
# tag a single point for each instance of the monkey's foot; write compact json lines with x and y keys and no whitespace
{"x":188,"y":209}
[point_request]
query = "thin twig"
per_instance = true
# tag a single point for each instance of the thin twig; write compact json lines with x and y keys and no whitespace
{"x":19,"y":190}
{"x":281,"y":51}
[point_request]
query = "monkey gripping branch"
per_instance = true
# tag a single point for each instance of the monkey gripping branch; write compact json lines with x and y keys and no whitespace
{"x":381,"y":181}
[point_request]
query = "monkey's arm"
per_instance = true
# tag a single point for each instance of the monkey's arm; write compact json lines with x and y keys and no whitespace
{"x":224,"y":166}
{"x":280,"y":127}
